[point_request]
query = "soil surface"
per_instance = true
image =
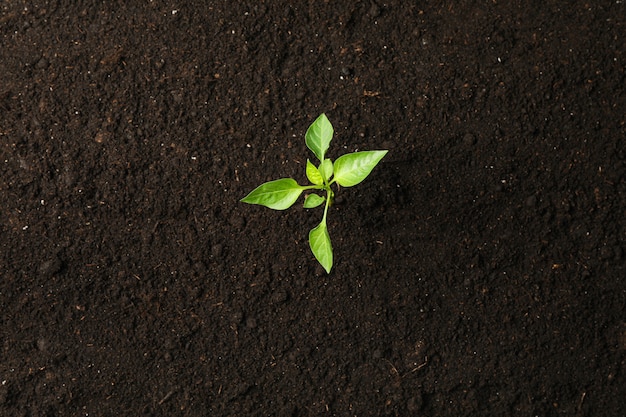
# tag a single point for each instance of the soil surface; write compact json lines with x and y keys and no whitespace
{"x":479,"y":270}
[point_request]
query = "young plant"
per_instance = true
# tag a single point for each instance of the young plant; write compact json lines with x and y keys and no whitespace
{"x":348,"y":170}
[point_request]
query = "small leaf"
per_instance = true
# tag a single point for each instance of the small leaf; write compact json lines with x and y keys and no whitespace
{"x":326,"y":169}
{"x":313,"y":174}
{"x":313,"y":200}
{"x":318,"y":136}
{"x":352,"y":168}
{"x":319,"y":240}
{"x":278,"y":194}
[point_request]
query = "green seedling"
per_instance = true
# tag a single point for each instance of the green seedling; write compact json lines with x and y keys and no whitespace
{"x":348,"y":170}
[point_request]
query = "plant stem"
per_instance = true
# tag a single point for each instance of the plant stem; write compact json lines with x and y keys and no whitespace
{"x":312,"y":187}
{"x":329,"y":196}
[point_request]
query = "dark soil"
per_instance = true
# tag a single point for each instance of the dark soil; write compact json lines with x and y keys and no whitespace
{"x":479,"y":270}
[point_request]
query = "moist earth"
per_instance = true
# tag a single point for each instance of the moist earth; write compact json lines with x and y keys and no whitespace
{"x":479,"y":270}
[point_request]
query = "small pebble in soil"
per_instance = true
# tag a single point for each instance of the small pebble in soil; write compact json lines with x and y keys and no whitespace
{"x":216,"y":250}
{"x":236,"y":317}
{"x":415,"y":403}
{"x":41,"y":344}
{"x":237,"y":221}
{"x":374,"y":10}
{"x":50,"y":267}
{"x":531,"y":201}
{"x":469,"y":139}
{"x":251,"y":323}
{"x":42,"y":64}
{"x":426,"y":39}
{"x":279,"y":296}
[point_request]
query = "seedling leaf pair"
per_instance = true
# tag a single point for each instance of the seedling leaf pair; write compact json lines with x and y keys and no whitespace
{"x":319,"y":135}
{"x":313,"y":200}
{"x":319,"y":241}
{"x":347,"y":171}
{"x":352,"y":168}
{"x":278,"y":194}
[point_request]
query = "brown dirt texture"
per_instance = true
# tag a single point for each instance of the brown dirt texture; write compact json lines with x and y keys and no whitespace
{"x":479,"y":270}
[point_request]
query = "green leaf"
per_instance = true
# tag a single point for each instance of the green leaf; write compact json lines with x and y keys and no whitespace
{"x":278,"y":194}
{"x":326,"y":169}
{"x":352,"y":168}
{"x":318,"y":136}
{"x":313,"y":174}
{"x":313,"y":200}
{"x":319,"y":240}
